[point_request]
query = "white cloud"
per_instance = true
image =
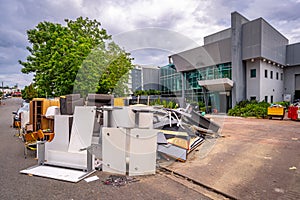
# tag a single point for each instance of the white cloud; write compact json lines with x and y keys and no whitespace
{"x":189,"y":19}
{"x":12,"y":79}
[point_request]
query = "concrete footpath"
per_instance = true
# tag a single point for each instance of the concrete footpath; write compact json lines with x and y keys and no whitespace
{"x":254,"y":159}
{"x":19,"y":186}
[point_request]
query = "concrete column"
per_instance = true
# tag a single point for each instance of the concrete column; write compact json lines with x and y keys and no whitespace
{"x":182,"y":99}
{"x":238,"y":70}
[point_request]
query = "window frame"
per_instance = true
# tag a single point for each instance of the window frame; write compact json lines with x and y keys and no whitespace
{"x":271,"y":74}
{"x":271,"y":98}
{"x":253,"y":98}
{"x":252,"y":75}
{"x":266,"y":73}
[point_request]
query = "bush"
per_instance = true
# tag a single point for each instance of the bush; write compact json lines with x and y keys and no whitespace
{"x":164,"y":103}
{"x":250,"y":109}
{"x":285,"y":104}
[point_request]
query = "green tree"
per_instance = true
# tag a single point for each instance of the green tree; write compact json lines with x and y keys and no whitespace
{"x":29,"y":92}
{"x":105,"y":70}
{"x":59,"y":52}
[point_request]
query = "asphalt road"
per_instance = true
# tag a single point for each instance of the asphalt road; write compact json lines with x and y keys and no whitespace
{"x":20,"y":186}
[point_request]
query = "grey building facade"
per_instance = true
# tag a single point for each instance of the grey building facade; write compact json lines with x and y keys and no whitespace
{"x":292,"y":71}
{"x":144,"y":78}
{"x":249,"y":60}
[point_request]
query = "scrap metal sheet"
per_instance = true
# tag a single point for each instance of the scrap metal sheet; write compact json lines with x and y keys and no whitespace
{"x":58,"y":173}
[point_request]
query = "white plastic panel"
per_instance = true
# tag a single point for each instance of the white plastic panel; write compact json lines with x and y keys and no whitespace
{"x":113,"y":150}
{"x":124,"y":117}
{"x":57,"y":173}
{"x":60,"y":141}
{"x":82,"y":128}
{"x":145,"y":120}
{"x":142,"y":154}
{"x":76,"y":160}
{"x":173,"y":151}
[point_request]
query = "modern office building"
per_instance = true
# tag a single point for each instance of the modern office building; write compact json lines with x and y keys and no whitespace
{"x":250,"y":60}
{"x":144,"y":78}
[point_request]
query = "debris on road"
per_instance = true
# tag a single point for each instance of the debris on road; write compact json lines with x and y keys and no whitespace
{"x":92,"y":178}
{"x":293,"y":168}
{"x":117,"y":180}
{"x":279,"y":190}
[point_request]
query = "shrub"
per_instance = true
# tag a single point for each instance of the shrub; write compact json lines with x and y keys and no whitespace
{"x":164,"y":103}
{"x":250,"y":109}
{"x":285,"y":104}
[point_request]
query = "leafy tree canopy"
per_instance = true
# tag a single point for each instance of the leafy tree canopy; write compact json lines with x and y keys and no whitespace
{"x":29,"y":92}
{"x":80,"y":51}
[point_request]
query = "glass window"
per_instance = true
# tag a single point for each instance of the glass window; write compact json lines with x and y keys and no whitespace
{"x":266,"y":73}
{"x":252,"y":73}
{"x":277,"y":75}
{"x":281,"y":76}
{"x":271,"y":99}
{"x":253,"y":98}
{"x":266,"y":98}
{"x":271,"y":74}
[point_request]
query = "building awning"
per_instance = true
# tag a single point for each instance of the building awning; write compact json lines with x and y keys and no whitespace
{"x":222,"y":84}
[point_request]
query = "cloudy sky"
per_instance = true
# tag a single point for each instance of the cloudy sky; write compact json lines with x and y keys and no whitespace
{"x":150,"y":30}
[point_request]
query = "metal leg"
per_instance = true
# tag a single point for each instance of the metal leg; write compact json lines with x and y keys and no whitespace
{"x":25,"y":151}
{"x":89,"y":156}
{"x":41,"y":152}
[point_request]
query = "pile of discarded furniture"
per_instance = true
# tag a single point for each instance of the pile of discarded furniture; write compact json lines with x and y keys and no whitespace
{"x":72,"y":135}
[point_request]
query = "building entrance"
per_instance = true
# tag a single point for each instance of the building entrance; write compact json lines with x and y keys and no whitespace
{"x":219,"y":102}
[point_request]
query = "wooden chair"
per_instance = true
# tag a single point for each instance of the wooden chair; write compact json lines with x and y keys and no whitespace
{"x":32,"y":138}
{"x":30,"y":142}
{"x":45,"y":136}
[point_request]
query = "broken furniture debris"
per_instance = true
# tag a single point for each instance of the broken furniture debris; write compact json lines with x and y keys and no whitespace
{"x":68,"y":103}
{"x":183,"y":129}
{"x":38,"y":109}
{"x":126,"y":140}
{"x":117,"y":180}
{"x":129,"y":140}
{"x":63,"y":158}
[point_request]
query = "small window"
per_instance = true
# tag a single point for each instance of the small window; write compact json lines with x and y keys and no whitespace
{"x":266,"y":73}
{"x":271,"y":74}
{"x":271,"y":99}
{"x":253,"y":98}
{"x":266,"y":98}
{"x":281,"y":76}
{"x":277,"y":75}
{"x":252,"y":73}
